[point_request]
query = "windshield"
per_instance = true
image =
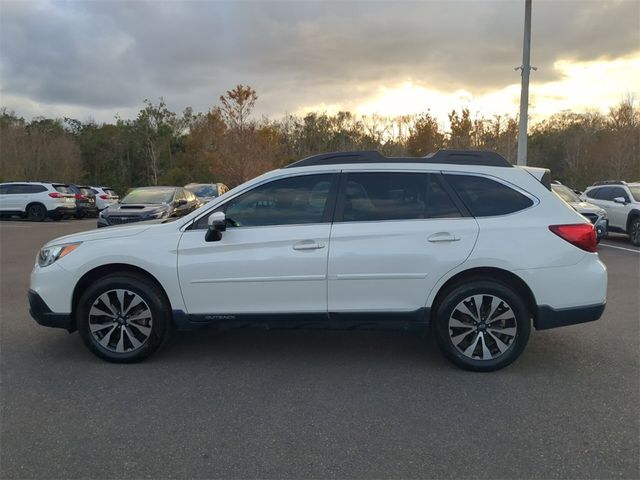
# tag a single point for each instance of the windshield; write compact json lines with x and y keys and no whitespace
{"x":149,"y":195}
{"x":565,"y":193}
{"x":206,"y":190}
{"x":635,"y":191}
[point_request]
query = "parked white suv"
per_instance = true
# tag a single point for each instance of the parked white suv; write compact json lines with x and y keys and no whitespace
{"x":37,"y":200}
{"x":105,"y":196}
{"x":621,"y":200}
{"x":462,"y":241}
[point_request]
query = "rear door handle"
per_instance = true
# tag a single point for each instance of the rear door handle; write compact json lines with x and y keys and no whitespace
{"x":443,"y":237}
{"x":308,"y":245}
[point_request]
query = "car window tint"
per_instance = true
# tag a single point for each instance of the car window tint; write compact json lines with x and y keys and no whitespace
{"x":290,"y":201}
{"x":593,"y":193}
{"x":485,"y":197}
{"x":37,"y":188}
{"x":63,"y":188}
{"x":439,"y":203}
{"x":4,"y":189}
{"x":377,"y":196}
{"x":616,"y":192}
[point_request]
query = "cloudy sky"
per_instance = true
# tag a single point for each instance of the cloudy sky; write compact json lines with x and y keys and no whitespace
{"x":96,"y":59}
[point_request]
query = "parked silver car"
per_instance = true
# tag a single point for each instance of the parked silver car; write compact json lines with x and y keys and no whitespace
{"x":595,"y":214}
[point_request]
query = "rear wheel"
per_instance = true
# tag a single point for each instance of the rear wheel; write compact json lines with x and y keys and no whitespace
{"x":123,"y":318}
{"x":36,"y":212}
{"x":482,"y":325}
{"x":634,"y":231}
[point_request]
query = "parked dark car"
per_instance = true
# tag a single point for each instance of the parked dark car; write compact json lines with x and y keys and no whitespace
{"x":85,"y":201}
{"x":149,"y":203}
{"x":207,"y":191}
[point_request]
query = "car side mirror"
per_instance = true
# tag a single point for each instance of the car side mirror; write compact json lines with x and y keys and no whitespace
{"x":217,"y":224}
{"x":621,"y":200}
{"x":181,"y":202}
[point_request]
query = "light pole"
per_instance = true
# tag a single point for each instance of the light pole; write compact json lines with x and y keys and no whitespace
{"x":525,"y":70}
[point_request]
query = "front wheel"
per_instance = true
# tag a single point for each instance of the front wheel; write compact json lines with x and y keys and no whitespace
{"x":123,"y":318}
{"x":482,"y":325}
{"x":634,"y":232}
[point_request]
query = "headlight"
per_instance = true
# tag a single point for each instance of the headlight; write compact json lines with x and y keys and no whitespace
{"x":48,"y":255}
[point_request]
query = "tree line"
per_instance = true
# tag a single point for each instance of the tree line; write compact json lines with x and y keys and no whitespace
{"x":226,"y":144}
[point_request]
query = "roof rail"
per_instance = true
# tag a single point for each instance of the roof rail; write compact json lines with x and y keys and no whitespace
{"x":609,"y":182}
{"x":453,"y":157}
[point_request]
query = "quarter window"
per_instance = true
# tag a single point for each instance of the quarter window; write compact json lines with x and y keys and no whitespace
{"x":290,"y":201}
{"x":487,"y":198}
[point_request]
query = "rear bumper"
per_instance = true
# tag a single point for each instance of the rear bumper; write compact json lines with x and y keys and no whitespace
{"x":63,"y":210}
{"x":549,"y":317}
{"x":42,"y":314}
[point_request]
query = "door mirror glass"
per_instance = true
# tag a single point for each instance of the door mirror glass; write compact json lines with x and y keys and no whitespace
{"x":621,"y":200}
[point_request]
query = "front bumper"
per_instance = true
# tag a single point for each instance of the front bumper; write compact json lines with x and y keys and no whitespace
{"x":42,"y":314}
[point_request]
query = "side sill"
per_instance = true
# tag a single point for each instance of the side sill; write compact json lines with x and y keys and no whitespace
{"x":549,"y":317}
{"x":415,"y":320}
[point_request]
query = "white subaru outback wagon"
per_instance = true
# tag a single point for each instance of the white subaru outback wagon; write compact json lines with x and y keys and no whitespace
{"x":461,"y":241}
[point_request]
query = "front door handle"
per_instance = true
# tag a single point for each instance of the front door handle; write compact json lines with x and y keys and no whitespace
{"x":443,"y":237}
{"x":308,"y":245}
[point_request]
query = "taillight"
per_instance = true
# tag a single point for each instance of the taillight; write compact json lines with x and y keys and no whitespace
{"x":104,"y":197}
{"x":56,"y":195}
{"x":80,"y":196}
{"x":582,"y":235}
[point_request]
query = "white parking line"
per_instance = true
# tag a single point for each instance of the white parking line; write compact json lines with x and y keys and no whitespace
{"x":620,"y":248}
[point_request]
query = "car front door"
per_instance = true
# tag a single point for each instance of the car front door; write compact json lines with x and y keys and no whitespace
{"x":617,"y":211}
{"x":271,"y":259}
{"x":394,"y":236}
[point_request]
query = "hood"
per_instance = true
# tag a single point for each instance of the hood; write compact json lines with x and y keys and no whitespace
{"x":586,"y":207}
{"x":134,"y":209}
{"x":105,"y":233}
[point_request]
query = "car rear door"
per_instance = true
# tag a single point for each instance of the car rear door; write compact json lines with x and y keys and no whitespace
{"x":395,"y":235}
{"x":271,"y":259}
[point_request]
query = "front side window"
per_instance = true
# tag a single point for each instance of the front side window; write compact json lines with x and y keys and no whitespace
{"x":487,"y":198}
{"x":290,"y":201}
{"x":616,"y":192}
{"x":376,"y":196}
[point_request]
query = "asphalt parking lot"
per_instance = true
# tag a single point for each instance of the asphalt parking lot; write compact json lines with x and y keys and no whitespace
{"x":296,"y":404}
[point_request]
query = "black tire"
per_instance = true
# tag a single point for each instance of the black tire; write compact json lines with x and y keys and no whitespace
{"x":154,"y":301}
{"x":634,"y":232}
{"x":36,"y":212}
{"x":450,"y":308}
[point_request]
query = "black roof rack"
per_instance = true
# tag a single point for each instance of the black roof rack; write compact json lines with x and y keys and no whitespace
{"x":609,"y":182}
{"x":453,"y":157}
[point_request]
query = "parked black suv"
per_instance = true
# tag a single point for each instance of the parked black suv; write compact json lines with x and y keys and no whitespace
{"x":149,"y":203}
{"x":85,"y":201}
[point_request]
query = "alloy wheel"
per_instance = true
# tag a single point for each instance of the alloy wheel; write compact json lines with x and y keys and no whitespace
{"x":120,"y":321}
{"x":482,"y":327}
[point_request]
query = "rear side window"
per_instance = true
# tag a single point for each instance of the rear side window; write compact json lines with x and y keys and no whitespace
{"x":594,"y":192}
{"x":487,"y":198}
{"x":376,"y":196}
{"x":35,"y":188}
